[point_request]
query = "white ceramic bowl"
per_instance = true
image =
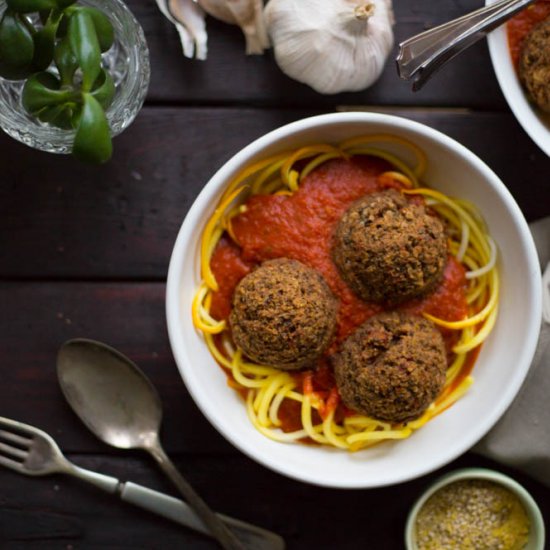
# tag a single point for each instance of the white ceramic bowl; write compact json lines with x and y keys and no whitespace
{"x":534,"y":122}
{"x":501,"y":366}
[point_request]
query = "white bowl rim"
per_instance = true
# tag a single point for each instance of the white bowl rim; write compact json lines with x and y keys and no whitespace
{"x":208,"y":194}
{"x":512,"y":90}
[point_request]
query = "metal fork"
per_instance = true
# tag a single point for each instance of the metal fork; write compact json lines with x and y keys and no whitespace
{"x":422,"y":55}
{"x":30,"y":451}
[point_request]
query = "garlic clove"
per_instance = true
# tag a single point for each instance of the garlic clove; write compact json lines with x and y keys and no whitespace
{"x":247,"y":14}
{"x":261,"y":27}
{"x":187,"y":42}
{"x":193,"y":43}
{"x":186,"y":39}
{"x":189,"y":14}
{"x":335,"y":46}
{"x":218,"y":9}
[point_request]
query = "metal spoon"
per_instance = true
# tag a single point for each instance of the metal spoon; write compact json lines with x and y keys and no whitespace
{"x":119,"y":405}
{"x":422,"y":55}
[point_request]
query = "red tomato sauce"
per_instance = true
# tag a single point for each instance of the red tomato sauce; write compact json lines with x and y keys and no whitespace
{"x":521,"y":25}
{"x":300,"y":226}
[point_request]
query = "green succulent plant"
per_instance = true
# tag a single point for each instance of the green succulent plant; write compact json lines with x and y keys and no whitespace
{"x":70,"y":38}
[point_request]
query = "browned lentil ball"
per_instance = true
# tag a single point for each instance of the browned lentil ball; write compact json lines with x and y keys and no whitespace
{"x":388,"y":249}
{"x":284,"y":314}
{"x":392,"y":367}
{"x":534,"y":65}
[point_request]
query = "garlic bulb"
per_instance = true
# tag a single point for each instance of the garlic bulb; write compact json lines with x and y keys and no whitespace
{"x":188,"y":17}
{"x":331,"y":45}
{"x":248,"y":14}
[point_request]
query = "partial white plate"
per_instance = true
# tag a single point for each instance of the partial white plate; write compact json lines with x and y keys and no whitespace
{"x":534,"y":122}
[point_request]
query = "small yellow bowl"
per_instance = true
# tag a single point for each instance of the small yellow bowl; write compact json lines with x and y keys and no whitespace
{"x":536,"y":531}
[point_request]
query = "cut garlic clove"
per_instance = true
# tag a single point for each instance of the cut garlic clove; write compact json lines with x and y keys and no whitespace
{"x":261,"y":27}
{"x":193,"y":38}
{"x":185,"y":37}
{"x":189,"y":14}
{"x":244,"y":16}
{"x":218,"y":9}
{"x":247,"y":14}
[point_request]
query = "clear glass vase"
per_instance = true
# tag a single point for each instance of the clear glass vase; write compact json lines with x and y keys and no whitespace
{"x":128,"y":63}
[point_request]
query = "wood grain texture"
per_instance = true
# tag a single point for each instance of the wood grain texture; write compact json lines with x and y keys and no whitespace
{"x":60,"y":512}
{"x":62,"y":219}
{"x":228,"y":76}
{"x":39,"y":317}
{"x":84,"y":252}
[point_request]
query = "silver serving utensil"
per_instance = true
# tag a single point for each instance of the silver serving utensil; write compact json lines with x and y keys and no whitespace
{"x":30,"y":451}
{"x":119,"y":405}
{"x":422,"y":55}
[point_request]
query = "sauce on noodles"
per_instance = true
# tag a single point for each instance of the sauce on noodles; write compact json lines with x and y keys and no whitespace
{"x":300,"y":226}
{"x":521,"y":25}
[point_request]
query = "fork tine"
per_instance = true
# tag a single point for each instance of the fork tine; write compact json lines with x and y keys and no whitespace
{"x":11,"y":464}
{"x":13,"y":425}
{"x":14,"y":438}
{"x":12,"y":451}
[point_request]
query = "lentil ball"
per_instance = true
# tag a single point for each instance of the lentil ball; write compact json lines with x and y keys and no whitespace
{"x":283,"y":315}
{"x":392,"y":367}
{"x":534,"y":65}
{"x":388,"y":249}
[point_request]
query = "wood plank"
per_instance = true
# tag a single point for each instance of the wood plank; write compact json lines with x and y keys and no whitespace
{"x":228,"y":76}
{"x":38,"y":318}
{"x":135,"y":203}
{"x":59,"y":512}
{"x":56,"y":215}
{"x":54,"y":511}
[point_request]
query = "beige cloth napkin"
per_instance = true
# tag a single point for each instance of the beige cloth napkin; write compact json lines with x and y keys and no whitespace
{"x":521,"y":438}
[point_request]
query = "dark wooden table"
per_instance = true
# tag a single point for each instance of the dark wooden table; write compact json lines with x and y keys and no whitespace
{"x":84,"y":252}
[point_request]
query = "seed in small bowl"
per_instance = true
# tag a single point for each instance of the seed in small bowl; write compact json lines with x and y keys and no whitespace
{"x":475,"y":509}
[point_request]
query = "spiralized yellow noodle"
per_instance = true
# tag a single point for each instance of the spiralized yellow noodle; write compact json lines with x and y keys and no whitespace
{"x":266,"y":388}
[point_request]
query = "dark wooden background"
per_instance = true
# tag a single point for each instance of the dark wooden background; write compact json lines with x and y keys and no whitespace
{"x":84,"y":252}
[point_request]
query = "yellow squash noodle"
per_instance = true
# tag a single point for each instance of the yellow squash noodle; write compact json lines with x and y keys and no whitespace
{"x":268,"y":388}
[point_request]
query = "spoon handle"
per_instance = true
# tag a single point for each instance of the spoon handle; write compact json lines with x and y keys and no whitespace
{"x":252,"y":536}
{"x":215,"y":525}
